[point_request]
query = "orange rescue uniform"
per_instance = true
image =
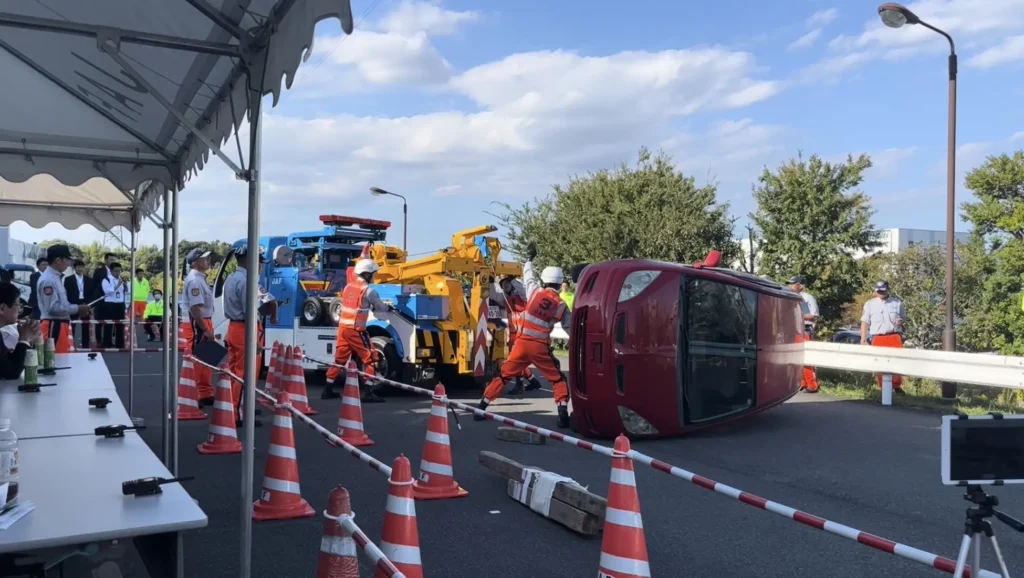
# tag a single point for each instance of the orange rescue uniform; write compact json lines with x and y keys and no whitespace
{"x":203,"y":375}
{"x":60,"y":331}
{"x":235,"y":342}
{"x":516,"y":307}
{"x":809,"y":381}
{"x":533,"y":346}
{"x":888,"y":340}
{"x":352,"y":338}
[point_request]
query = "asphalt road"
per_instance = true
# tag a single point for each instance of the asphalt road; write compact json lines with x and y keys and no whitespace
{"x":875,"y":469}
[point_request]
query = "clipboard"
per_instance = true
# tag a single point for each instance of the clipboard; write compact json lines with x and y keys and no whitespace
{"x":209,"y":352}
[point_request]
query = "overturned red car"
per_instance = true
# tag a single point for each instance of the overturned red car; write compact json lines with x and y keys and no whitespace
{"x":662,"y":349}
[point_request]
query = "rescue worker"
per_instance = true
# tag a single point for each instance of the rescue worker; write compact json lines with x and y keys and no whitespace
{"x":515,"y":306}
{"x":544,"y":308}
{"x":234,"y":309}
{"x":357,"y":300}
{"x":197,"y":295}
{"x":881,"y":325}
{"x":54,"y":309}
{"x":140,"y":294}
{"x":567,"y":295}
{"x":154,"y":317}
{"x":809,"y":310}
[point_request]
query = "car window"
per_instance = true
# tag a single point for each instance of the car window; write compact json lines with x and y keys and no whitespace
{"x":720,"y":313}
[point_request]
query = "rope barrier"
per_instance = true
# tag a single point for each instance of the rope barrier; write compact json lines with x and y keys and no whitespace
{"x":114,"y":350}
{"x":107,"y":322}
{"x":380,"y":561}
{"x":870,"y":540}
{"x":324,"y":432}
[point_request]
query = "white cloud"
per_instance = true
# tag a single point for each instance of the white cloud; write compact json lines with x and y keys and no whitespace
{"x":1009,"y":50}
{"x":1017,"y":136}
{"x":822,"y":18}
{"x":889,"y":162}
{"x":805,"y":41}
{"x":412,"y":17}
{"x":978,"y":24}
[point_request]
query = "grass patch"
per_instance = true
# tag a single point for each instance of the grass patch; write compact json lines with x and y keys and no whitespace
{"x":922,"y":394}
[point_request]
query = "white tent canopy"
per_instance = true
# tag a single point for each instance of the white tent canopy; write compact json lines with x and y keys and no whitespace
{"x":137,"y":90}
{"x":95,"y":202}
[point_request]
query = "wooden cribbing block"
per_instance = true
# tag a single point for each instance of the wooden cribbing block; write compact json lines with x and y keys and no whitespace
{"x":514,"y":434}
{"x":571,"y":506}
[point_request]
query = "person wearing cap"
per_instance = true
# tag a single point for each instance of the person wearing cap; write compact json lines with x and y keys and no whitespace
{"x":809,"y":311}
{"x":234,"y":309}
{"x":881,"y":325}
{"x":55,"y":310}
{"x":544,"y":308}
{"x":154,"y":316}
{"x":197,"y":295}
{"x":357,"y":300}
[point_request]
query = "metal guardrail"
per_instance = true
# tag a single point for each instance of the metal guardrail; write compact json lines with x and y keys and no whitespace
{"x":972,"y":368}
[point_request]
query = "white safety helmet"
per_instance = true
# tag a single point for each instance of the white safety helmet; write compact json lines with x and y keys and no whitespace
{"x":551,"y":275}
{"x":366,"y":266}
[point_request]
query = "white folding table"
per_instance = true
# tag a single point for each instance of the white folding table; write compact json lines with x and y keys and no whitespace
{"x":75,"y":371}
{"x":63,"y":413}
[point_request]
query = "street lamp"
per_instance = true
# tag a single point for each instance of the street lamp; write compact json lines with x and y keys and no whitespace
{"x":405,"y":214}
{"x":894,"y":16}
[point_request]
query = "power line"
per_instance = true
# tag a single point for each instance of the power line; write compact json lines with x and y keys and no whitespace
{"x":340,"y":40}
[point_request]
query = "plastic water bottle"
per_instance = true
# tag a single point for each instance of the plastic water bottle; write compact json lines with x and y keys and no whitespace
{"x":8,"y":458}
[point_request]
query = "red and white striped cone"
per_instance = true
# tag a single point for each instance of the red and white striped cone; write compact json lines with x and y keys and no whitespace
{"x":223,"y":437}
{"x":271,"y":386}
{"x":281,"y":498}
{"x":294,"y":383}
{"x":350,"y":414}
{"x":338,"y":556}
{"x":623,"y":547}
{"x":437,"y":475}
{"x":182,"y":336}
{"x":400,"y":539}
{"x":188,"y":395}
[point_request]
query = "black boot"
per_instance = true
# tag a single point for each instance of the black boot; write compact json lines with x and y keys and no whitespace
{"x":482,"y":405}
{"x":368,"y":396}
{"x":533,"y":385}
{"x":517,"y":387}
{"x":563,"y":416}
{"x":206,"y":401}
{"x":255,"y":423}
{"x":329,"y":393}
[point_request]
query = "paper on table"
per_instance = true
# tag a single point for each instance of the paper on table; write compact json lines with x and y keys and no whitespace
{"x":16,"y":513}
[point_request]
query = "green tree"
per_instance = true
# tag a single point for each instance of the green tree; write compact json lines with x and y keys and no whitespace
{"x":997,"y":215}
{"x":811,"y":222}
{"x":651,"y":211}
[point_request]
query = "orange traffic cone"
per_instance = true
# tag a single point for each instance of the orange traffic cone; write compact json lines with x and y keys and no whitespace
{"x":188,"y":395}
{"x":184,"y":335}
{"x":271,"y":386}
{"x":293,"y":381}
{"x":623,"y":548}
{"x":337,"y":549}
{"x":437,"y":478}
{"x":223,"y":438}
{"x":400,"y":540}
{"x":281,"y":498}
{"x":350,"y":414}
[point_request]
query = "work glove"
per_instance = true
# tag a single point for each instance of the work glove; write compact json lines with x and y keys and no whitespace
{"x":531,"y":251}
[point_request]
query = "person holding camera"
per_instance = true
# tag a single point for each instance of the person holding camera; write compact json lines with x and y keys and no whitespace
{"x":881,"y":325}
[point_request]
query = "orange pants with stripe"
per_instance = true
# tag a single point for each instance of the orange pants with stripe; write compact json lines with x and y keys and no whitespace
{"x":809,"y":381}
{"x":524,"y":353}
{"x":888,"y":340}
{"x":60,"y":331}
{"x":203,"y":375}
{"x":351,"y":342}
{"x":235,"y":341}
{"x":526,"y":373}
{"x":140,"y":309}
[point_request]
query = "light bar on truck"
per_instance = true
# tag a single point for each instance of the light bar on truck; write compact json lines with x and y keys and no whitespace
{"x":343,"y":221}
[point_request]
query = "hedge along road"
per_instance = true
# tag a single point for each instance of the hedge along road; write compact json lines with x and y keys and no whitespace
{"x":875,"y":469}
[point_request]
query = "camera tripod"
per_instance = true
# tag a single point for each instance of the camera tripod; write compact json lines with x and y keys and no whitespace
{"x":977,"y":524}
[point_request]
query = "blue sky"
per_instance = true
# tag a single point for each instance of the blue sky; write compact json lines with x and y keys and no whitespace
{"x":458,"y":104}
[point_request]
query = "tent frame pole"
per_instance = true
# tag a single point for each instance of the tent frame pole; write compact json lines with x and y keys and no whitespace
{"x":176,"y":324}
{"x":132,"y":337}
{"x":129,"y":36}
{"x":169,"y":341}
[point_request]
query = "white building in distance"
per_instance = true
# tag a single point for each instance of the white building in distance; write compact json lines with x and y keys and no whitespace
{"x":891,"y":241}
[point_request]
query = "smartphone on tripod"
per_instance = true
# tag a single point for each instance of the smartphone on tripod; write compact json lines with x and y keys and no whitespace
{"x":979,"y":451}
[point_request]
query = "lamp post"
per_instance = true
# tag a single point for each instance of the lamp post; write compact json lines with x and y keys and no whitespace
{"x":405,"y":214}
{"x":894,"y":16}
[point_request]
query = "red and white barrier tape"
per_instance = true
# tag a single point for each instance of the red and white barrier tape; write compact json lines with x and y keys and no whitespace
{"x":870,"y":540}
{"x":330,"y":437}
{"x":114,"y":350}
{"x":106,"y":322}
{"x":380,"y":561}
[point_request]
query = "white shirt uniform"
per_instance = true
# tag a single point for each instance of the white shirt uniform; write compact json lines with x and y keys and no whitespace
{"x":52,"y":297}
{"x":881,"y":315}
{"x":113,"y":290}
{"x":809,"y":306}
{"x":234,"y":295}
{"x":197,"y":292}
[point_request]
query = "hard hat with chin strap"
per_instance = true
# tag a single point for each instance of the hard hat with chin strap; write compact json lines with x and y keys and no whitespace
{"x":551,"y":275}
{"x":366,"y":266}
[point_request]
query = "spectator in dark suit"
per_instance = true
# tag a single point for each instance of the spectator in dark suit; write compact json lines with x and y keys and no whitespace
{"x":33,"y":280}
{"x":12,"y":355}
{"x":101,"y":273}
{"x":79,"y":288}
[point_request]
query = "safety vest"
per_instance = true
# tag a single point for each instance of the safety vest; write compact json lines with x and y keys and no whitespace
{"x":140,"y":289}
{"x":353,"y":314}
{"x":154,"y":309}
{"x":544,"y":309}
{"x":516,"y":314}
